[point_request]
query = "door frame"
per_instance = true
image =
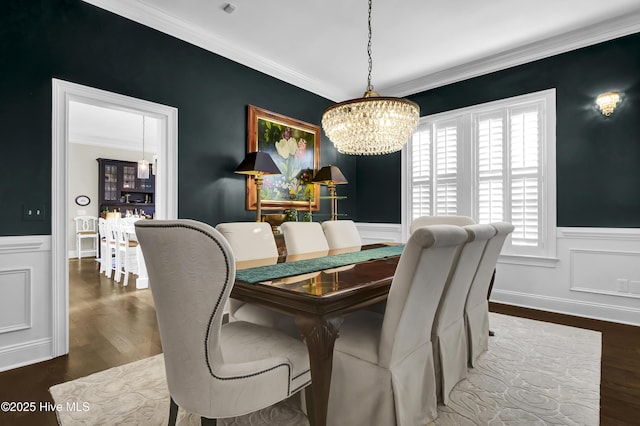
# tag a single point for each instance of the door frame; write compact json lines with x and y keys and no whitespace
{"x":166,"y":183}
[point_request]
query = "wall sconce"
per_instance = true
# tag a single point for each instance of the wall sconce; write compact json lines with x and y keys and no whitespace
{"x":607,"y":102}
{"x":257,"y":164}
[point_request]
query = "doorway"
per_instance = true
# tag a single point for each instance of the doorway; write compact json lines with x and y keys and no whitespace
{"x":166,"y":182}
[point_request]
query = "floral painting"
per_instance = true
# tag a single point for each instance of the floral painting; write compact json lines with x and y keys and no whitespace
{"x":295,"y":148}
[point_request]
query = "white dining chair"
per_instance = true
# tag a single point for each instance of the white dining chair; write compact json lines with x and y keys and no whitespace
{"x":342,"y":236}
{"x":127,"y":250}
{"x":304,"y":238}
{"x":383,"y":370}
{"x":251,"y":241}
{"x":109,"y":247}
{"x":87,"y":229}
{"x":476,"y":308}
{"x":105,"y":250}
{"x":449,"y":334}
{"x":212,"y":370}
{"x":440,"y":220}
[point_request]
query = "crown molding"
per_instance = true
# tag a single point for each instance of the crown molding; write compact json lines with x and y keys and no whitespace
{"x":604,"y":31}
{"x":156,"y":19}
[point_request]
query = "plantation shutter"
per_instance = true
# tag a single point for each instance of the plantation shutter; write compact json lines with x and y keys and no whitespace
{"x":446,"y":169}
{"x":526,"y":175}
{"x":421,"y":172}
{"x":494,"y":162}
{"x":491,"y":171}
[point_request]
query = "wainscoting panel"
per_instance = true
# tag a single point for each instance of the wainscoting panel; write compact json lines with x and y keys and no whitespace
{"x":15,"y":302}
{"x":618,"y":272}
{"x":25,"y":300}
{"x":585,"y":279}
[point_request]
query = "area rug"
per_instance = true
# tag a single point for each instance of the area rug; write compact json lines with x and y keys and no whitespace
{"x":534,"y":373}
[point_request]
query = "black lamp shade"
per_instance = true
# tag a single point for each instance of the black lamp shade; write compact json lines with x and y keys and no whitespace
{"x":258,"y":163}
{"x":329,"y":175}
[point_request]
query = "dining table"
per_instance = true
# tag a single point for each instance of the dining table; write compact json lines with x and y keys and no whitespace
{"x":318,"y":299}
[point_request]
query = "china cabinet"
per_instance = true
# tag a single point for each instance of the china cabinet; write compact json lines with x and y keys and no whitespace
{"x":120,"y":190}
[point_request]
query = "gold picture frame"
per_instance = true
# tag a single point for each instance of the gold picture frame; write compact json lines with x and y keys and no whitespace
{"x":294,"y":146}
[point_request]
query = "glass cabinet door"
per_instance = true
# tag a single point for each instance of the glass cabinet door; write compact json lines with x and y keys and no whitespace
{"x":111,"y":191}
{"x":129,"y":175}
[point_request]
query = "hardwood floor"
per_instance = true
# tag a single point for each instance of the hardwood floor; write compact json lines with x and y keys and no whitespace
{"x":111,"y":325}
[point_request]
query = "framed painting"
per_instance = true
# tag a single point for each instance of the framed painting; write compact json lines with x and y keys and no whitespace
{"x":295,"y":148}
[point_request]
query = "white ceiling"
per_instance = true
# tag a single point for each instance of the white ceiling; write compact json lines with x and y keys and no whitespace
{"x":417,"y":44}
{"x":114,"y":128}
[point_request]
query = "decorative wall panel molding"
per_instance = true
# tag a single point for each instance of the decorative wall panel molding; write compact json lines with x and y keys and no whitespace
{"x":25,"y":300}
{"x":23,"y":244}
{"x":15,"y":299}
{"x":606,"y":272}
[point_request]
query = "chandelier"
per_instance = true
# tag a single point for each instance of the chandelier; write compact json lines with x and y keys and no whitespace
{"x":373,"y":124}
{"x":143,"y":165}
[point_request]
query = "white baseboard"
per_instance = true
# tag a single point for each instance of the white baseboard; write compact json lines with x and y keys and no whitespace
{"x":598,"y":311}
{"x":25,"y":353}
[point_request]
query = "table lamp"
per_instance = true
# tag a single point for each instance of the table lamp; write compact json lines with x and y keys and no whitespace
{"x":330,"y":176}
{"x":257,"y":164}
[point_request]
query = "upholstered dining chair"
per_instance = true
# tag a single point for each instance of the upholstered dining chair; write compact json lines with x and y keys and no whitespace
{"x":383,"y":371}
{"x":304,"y":238}
{"x":253,"y":242}
{"x":449,"y":334}
{"x":440,"y":220}
{"x":476,"y":310}
{"x":342,"y":236}
{"x":212,"y":370}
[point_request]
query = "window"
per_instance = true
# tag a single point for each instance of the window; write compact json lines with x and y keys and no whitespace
{"x":493,"y":162}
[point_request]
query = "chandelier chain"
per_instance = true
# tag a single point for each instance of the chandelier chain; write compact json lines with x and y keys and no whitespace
{"x":369,"y":86}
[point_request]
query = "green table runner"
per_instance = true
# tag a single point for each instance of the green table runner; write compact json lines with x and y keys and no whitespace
{"x":289,"y":269}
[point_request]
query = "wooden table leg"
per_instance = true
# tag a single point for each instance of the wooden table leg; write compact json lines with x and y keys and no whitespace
{"x":320,"y":335}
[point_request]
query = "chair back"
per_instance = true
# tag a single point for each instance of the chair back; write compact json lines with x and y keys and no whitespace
{"x":102,"y":228}
{"x":110,"y":231}
{"x":476,"y":309}
{"x":249,"y":240}
{"x":191,"y":270}
{"x":341,"y":234}
{"x":440,"y":220}
{"x":86,"y":224}
{"x":482,"y":279}
{"x":304,"y":237}
{"x":415,"y":291}
{"x":464,"y":269}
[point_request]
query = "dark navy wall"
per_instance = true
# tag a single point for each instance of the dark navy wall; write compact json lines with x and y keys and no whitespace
{"x":598,"y":159}
{"x":77,"y":42}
